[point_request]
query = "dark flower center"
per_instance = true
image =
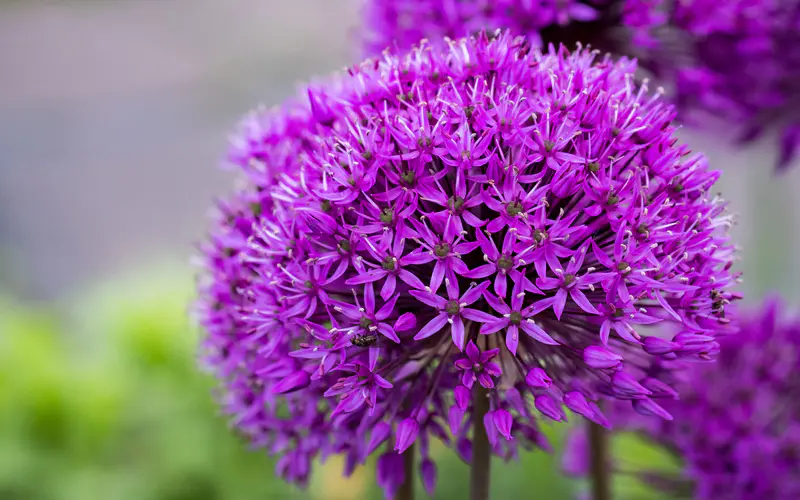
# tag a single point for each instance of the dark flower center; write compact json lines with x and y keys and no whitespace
{"x":308,"y":284}
{"x":229,"y":252}
{"x":325,"y":205}
{"x":513,"y":208}
{"x":618,"y":313}
{"x":515,"y":318}
{"x":365,"y":322}
{"x":344,"y":246}
{"x":424,"y":142}
{"x":388,"y":263}
{"x":593,"y":167}
{"x":477,"y":367}
{"x":256,"y":208}
{"x":623,"y":266}
{"x":505,"y":262}
{"x":387,"y":215}
{"x":408,"y":176}
{"x":612,"y":199}
{"x":452,"y":307}
{"x":455,"y":203}
{"x":367,"y":155}
{"x":539,"y":236}
{"x":442,"y":250}
{"x":569,"y":279}
{"x":351,"y":181}
{"x":643,"y":230}
{"x":549,"y":146}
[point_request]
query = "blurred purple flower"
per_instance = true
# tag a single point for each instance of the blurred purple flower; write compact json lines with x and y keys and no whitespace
{"x":434,"y":219}
{"x":739,"y":60}
{"x":736,"y":426}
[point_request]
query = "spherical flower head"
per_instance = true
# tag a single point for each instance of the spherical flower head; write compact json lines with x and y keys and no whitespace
{"x":737,"y":424}
{"x":476,"y":220}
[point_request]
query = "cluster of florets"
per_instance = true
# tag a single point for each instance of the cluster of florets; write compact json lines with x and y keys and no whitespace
{"x":476,"y":220}
{"x":737,"y":423}
{"x":739,"y":59}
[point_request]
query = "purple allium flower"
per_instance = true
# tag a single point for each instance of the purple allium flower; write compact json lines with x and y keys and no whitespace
{"x":481,"y":212}
{"x":737,"y":424}
{"x":403,"y":23}
{"x":739,"y":60}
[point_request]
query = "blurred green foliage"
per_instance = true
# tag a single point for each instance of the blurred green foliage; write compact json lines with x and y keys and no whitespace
{"x":109,"y":404}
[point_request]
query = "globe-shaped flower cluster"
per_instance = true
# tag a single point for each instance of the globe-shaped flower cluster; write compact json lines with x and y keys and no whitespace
{"x":737,"y":423}
{"x":738,"y":59}
{"x":479,"y":220}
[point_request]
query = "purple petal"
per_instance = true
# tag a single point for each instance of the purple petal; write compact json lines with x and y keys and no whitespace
{"x":559,"y":302}
{"x":433,"y":326}
{"x":406,"y":434}
{"x":411,"y":280}
{"x":576,"y":401}
{"x":491,"y":429}
{"x":477,"y":316}
{"x":625,"y":385}
{"x":379,"y":434}
{"x":369,"y":277}
{"x":462,"y":396}
{"x":472,"y":352}
{"x":658,"y":346}
{"x":503,"y":421}
{"x":492,"y":369}
{"x":496,"y":303}
{"x":429,"y":298}
{"x":455,"y":417}
{"x":294,"y":382}
{"x":438,"y":275}
{"x":512,"y":339}
{"x":369,"y":298}
{"x":407,"y":321}
{"x":649,"y":407}
{"x":537,"y":378}
{"x":537,"y":333}
{"x":486,"y":381}
{"x":549,"y":407}
{"x":474,"y":293}
{"x":427,"y":470}
{"x":493,"y":326}
{"x":580,"y":299}
{"x":457,"y":332}
{"x":601,"y":358}
{"x":387,"y":309}
{"x":387,"y":332}
{"x":481,"y":271}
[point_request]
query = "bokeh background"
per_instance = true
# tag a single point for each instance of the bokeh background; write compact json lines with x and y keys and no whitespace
{"x":113,"y":117}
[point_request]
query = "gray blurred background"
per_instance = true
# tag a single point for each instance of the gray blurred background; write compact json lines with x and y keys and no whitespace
{"x":114,"y":114}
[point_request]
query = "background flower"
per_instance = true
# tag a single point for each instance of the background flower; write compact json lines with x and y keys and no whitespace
{"x":735,"y":420}
{"x":738,"y":60}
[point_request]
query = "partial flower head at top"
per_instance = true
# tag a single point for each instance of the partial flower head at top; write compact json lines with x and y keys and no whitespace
{"x":737,"y":423}
{"x":739,"y":59}
{"x":480,"y":219}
